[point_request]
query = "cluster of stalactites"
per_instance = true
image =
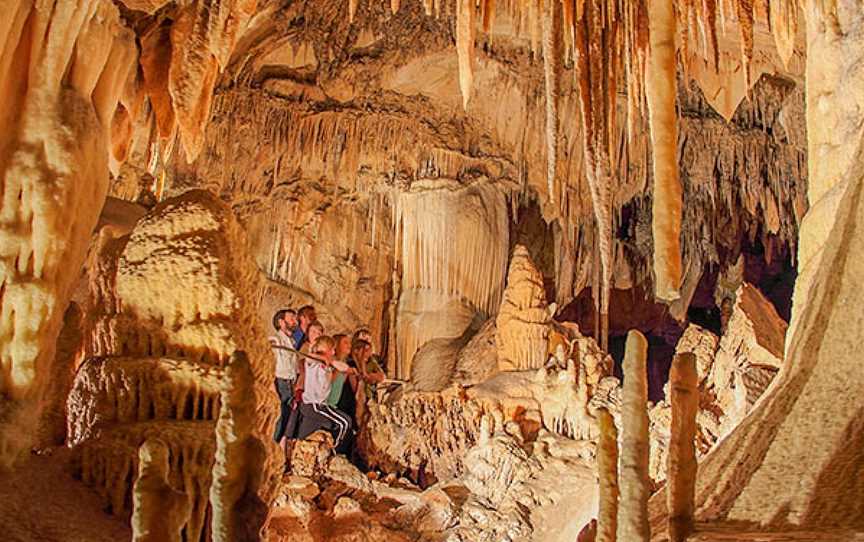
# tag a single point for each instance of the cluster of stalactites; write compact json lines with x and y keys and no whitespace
{"x":611,"y":41}
{"x":181,"y":58}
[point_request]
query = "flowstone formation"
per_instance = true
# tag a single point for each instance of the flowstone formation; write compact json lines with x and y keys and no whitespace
{"x":441,"y":223}
{"x":171,"y":313}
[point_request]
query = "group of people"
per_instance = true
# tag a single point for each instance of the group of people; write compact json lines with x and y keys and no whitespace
{"x":320,"y":379}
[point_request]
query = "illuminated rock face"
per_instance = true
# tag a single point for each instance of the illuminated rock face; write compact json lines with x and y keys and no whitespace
{"x":523,"y":319}
{"x":734,"y":371}
{"x":378,"y":154}
{"x":63,"y":67}
{"x":426,"y":434}
{"x":175,"y":298}
{"x":453,"y":251}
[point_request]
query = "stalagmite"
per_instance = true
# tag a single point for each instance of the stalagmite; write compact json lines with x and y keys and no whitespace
{"x":238,"y":515}
{"x":681,"y":470}
{"x":552,"y":53}
{"x":465,"y":47}
{"x":633,"y":481}
{"x":523,"y":323}
{"x":159,"y":512}
{"x":661,"y":89}
{"x":607,"y":471}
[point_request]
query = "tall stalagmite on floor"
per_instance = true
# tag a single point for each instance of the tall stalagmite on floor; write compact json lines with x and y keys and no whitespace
{"x":159,"y":512}
{"x":238,"y":513}
{"x":633,"y":505}
{"x":607,"y":471}
{"x":681,"y":469}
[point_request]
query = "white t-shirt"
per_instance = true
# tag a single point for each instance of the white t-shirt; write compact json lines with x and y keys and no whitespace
{"x":317,"y":386}
{"x":286,"y":362}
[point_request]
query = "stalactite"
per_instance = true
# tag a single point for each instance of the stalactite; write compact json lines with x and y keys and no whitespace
{"x":633,"y":523}
{"x":427,"y":7}
{"x":552,"y":52}
{"x":784,"y":26}
{"x":352,"y":9}
{"x":681,"y":469}
{"x":744,"y":11}
{"x":488,"y":14}
{"x":465,"y":47}
{"x":394,"y":6}
{"x":594,"y":46}
{"x":534,"y":30}
{"x":661,"y":89}
{"x":607,"y":471}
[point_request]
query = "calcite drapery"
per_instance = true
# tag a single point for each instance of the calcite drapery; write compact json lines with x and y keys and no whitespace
{"x":452,"y":247}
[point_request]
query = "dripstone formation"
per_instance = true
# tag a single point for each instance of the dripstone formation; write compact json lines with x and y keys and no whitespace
{"x":532,"y":271}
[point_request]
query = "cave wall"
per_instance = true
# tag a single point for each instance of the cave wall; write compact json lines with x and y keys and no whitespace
{"x":64,"y":70}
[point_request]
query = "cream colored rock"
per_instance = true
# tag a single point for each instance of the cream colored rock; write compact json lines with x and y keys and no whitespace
{"x":346,"y":506}
{"x":523,"y":320}
{"x":180,"y":282}
{"x":749,"y":355}
{"x":633,"y":478}
{"x":63,"y":67}
{"x":237,"y":511}
{"x":774,"y":477}
{"x":309,"y":457}
{"x":544,"y":478}
{"x":453,"y":252}
{"x":158,"y":511}
{"x":478,"y":360}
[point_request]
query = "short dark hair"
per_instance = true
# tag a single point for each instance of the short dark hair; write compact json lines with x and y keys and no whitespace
{"x":280,"y":315}
{"x":304,"y":310}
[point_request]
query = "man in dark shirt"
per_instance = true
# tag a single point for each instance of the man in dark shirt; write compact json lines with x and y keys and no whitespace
{"x":305,"y":316}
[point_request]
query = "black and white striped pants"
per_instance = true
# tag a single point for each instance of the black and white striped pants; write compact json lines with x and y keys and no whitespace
{"x":323,"y":416}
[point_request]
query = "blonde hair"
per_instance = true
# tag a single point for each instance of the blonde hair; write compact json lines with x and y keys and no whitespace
{"x":322,"y":343}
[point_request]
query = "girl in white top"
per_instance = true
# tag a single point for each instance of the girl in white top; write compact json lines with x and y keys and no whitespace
{"x":316,"y":413}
